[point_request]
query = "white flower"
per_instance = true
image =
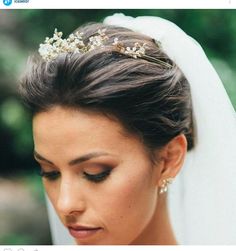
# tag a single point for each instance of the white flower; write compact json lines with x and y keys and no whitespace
{"x":115,"y":41}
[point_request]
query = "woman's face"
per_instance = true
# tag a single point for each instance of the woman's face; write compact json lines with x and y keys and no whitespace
{"x":95,"y":175}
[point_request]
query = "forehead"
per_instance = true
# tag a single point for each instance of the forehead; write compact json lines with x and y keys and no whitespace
{"x":65,"y":120}
{"x":77,"y":130}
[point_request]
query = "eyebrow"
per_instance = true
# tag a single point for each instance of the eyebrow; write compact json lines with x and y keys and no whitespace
{"x":75,"y":161}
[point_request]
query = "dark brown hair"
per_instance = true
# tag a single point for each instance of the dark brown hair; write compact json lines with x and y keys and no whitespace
{"x":149,"y":99}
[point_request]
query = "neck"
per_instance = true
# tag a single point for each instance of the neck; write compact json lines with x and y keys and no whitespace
{"x":159,"y":230}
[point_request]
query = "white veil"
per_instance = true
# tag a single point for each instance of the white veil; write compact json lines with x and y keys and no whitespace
{"x":202,"y":199}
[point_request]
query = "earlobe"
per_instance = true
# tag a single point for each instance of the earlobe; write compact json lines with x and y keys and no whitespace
{"x":173,"y":157}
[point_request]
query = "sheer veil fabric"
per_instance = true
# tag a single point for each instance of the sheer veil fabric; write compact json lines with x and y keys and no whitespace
{"x":202,"y":198}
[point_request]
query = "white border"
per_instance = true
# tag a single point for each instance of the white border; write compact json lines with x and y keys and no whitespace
{"x":117,"y":247}
{"x":121,"y":4}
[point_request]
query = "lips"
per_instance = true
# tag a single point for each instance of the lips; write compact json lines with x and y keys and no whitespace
{"x":81,"y":232}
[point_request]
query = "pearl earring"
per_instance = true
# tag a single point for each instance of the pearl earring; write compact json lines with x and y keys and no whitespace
{"x":164,"y":186}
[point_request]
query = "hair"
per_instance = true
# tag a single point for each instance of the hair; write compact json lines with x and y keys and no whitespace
{"x":150,"y":100}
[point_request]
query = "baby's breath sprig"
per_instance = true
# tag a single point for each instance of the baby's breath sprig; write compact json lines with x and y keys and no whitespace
{"x":98,"y":40}
{"x":138,"y":51}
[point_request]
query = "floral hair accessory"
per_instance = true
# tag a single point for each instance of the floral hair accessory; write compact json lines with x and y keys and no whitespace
{"x":56,"y":45}
{"x":139,"y":51}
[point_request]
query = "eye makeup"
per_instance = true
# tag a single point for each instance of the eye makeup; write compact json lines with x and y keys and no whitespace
{"x":53,"y":175}
{"x":99,"y":177}
{"x":94,"y":177}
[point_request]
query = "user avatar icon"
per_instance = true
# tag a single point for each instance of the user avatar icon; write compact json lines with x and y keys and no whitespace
{"x":7,"y":2}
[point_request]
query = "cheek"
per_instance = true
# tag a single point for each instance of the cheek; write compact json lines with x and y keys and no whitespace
{"x":131,"y":194}
{"x":128,"y":204}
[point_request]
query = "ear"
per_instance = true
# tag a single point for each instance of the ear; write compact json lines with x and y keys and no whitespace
{"x":172,"y":158}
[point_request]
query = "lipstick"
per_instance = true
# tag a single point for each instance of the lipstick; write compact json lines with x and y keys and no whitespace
{"x":81,"y":232}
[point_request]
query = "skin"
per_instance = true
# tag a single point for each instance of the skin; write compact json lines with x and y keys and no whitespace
{"x":126,"y":205}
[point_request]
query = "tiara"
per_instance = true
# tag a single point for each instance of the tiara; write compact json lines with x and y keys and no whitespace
{"x":56,"y":45}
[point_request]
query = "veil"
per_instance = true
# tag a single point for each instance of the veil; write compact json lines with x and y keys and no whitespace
{"x":202,"y":199}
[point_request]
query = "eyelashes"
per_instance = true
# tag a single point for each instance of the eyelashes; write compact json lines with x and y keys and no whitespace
{"x":96,"y":178}
{"x":49,"y":175}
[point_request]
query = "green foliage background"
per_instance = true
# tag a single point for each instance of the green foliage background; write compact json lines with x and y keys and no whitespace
{"x":21,"y":31}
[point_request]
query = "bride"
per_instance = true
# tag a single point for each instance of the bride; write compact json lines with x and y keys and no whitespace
{"x":120,"y":110}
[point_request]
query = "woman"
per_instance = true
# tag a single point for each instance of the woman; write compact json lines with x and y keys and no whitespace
{"x":112,"y":122}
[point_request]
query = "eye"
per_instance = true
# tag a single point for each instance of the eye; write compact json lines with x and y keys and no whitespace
{"x":53,"y":175}
{"x":99,"y":177}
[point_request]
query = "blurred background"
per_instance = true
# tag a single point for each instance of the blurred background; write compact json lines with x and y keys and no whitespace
{"x":23,"y":217}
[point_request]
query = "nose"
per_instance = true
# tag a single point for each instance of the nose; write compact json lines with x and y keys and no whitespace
{"x":70,"y":197}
